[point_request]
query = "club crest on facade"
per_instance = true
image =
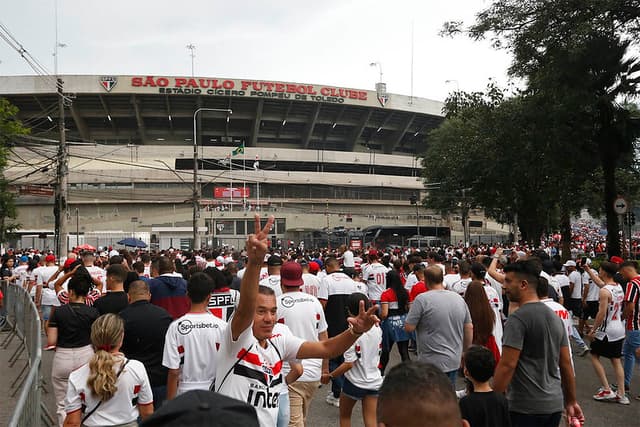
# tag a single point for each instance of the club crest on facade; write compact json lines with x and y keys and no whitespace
{"x":108,"y":82}
{"x":383,"y":98}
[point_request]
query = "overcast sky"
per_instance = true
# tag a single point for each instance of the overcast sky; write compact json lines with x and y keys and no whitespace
{"x":324,"y":42}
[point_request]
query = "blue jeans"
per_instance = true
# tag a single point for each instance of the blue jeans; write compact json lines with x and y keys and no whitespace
{"x":284,"y":410}
{"x":577,"y":338}
{"x":336,"y":383}
{"x":631,"y":344}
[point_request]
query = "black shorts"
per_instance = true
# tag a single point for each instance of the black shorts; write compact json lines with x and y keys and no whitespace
{"x":590,"y":311}
{"x":604,"y":348}
{"x":574,"y":305}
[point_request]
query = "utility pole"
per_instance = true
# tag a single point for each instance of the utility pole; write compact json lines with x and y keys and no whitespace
{"x":60,"y":208}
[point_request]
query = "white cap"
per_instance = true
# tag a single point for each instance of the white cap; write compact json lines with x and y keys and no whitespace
{"x":113,"y":253}
{"x":570,"y":264}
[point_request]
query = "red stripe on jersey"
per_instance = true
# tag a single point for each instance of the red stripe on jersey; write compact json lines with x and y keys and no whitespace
{"x":217,"y":312}
{"x":180,"y":349}
{"x":136,"y":388}
{"x":252,"y":358}
{"x":277,"y":368}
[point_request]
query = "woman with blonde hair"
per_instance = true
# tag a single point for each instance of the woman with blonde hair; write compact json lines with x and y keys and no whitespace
{"x":110,"y":389}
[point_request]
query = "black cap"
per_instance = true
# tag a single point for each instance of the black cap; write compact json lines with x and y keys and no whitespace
{"x":203,"y":408}
{"x":274,"y":260}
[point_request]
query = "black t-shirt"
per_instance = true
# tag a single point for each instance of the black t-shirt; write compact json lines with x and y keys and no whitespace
{"x":486,"y":409}
{"x":145,"y":327}
{"x":112,"y":302}
{"x":74,"y":322}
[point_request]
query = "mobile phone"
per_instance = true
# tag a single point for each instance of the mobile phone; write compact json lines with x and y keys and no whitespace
{"x":584,"y":260}
{"x":507,"y":252}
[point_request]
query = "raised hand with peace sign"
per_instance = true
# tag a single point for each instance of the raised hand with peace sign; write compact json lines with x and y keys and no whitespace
{"x":256,"y":248}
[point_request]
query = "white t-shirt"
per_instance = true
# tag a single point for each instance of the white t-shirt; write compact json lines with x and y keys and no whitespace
{"x":553,"y":282}
{"x":496,"y":305}
{"x":593,"y":294}
{"x":563,"y":314}
{"x":223,"y":303}
{"x":134,"y":389}
{"x":311,"y":284}
{"x":100,"y":274}
{"x":411,"y":281}
{"x":42,"y":274}
{"x":563,"y":281}
{"x":365,"y":356}
{"x":248,"y":372}
{"x":495,"y":285}
{"x":264,"y":273}
{"x":321,"y":274}
{"x":576,"y":278}
{"x":449,"y":280}
{"x":21,"y":275}
{"x":272,"y":282}
{"x":460,"y":287}
{"x":304,"y":316}
{"x":348,"y":260}
{"x":191,"y":344}
{"x":375,"y":275}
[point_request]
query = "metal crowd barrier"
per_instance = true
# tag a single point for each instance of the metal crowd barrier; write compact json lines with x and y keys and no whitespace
{"x":23,"y":323}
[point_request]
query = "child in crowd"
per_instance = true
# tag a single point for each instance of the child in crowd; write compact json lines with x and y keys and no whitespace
{"x":362,"y":377}
{"x":482,"y":407}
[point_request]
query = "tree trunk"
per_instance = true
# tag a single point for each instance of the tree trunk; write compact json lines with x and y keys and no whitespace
{"x":610,"y":195}
{"x":565,"y":231}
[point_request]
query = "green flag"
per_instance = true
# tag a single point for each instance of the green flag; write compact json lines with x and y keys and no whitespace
{"x":238,"y":150}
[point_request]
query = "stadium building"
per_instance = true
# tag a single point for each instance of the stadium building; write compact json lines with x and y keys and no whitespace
{"x":316,"y":157}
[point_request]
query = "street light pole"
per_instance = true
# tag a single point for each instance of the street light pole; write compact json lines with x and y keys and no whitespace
{"x":192,"y":48}
{"x":196,"y":189}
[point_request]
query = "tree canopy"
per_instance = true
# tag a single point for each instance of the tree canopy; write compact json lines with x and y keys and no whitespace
{"x":575,"y":58}
{"x":10,"y":127}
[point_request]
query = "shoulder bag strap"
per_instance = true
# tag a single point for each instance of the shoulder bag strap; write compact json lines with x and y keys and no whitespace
{"x":95,"y":408}
{"x":213,"y":385}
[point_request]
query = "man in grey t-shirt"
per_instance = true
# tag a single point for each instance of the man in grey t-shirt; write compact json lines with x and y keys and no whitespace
{"x":535,"y":368}
{"x":442,"y":323}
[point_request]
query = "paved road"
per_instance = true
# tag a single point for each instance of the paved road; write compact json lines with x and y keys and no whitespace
{"x":322,"y":415}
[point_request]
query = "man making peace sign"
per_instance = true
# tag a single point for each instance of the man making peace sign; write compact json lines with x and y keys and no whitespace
{"x":251,"y":354}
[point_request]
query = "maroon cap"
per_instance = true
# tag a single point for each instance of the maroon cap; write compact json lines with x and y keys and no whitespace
{"x":616,"y":260}
{"x":291,"y":274}
{"x":50,"y":258}
{"x":373,"y":253}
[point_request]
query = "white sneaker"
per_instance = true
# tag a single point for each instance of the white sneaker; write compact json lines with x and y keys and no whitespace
{"x":623,"y":400}
{"x":332,"y":400}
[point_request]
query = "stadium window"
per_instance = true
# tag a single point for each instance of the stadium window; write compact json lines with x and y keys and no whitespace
{"x":241,"y":227}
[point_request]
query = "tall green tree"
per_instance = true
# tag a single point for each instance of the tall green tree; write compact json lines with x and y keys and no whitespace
{"x":499,"y":154}
{"x":10,"y":127}
{"x":580,"y":49}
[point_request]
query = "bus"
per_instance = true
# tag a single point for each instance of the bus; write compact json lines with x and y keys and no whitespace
{"x":384,"y":236}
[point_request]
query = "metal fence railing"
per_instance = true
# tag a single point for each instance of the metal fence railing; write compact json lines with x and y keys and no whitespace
{"x":23,"y":324}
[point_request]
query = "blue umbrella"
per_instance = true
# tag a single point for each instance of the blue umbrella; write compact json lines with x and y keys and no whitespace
{"x":133,"y":242}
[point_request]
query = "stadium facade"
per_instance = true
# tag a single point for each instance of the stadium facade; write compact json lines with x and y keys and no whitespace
{"x":315,"y":156}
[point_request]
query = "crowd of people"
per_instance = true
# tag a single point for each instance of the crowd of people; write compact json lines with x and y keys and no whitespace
{"x":142,"y":337}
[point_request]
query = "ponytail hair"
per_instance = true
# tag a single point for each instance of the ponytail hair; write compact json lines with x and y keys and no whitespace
{"x":106,"y":333}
